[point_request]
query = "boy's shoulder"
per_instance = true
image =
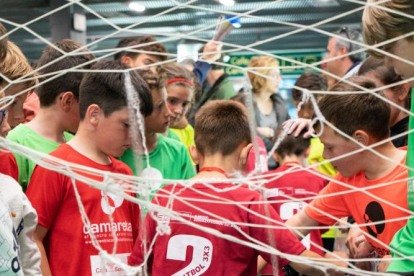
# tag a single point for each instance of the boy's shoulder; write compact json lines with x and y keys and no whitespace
{"x":169,"y":144}
{"x":21,"y":133}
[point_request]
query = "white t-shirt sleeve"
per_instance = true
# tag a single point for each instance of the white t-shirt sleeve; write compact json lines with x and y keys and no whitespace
{"x":24,"y":219}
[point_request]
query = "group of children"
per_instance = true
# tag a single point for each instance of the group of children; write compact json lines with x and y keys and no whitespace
{"x":215,"y":225}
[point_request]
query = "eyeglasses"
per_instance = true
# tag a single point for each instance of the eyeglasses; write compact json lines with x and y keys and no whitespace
{"x":3,"y":115}
{"x":345,"y":31}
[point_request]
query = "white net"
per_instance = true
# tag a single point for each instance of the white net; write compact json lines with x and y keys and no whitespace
{"x":122,"y":185}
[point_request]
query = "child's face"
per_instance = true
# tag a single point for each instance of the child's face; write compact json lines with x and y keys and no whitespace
{"x":112,"y":133}
{"x":178,"y":101}
{"x":403,"y":49}
{"x":159,"y":119}
{"x":336,"y":145}
{"x":144,"y":59}
{"x":16,"y":115}
{"x":306,"y":110}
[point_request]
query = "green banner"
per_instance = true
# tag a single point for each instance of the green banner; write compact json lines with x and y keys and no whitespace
{"x":304,"y":57}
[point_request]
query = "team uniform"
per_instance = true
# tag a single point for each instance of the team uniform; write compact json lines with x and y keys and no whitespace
{"x":186,"y":136}
{"x":8,"y":165}
{"x":68,"y":243}
{"x":298,"y":184}
{"x":366,"y":208}
{"x":25,"y":136}
{"x":212,"y":255}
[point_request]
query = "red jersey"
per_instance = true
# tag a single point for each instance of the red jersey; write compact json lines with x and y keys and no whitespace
{"x":8,"y":165}
{"x":370,"y":206}
{"x":191,"y":251}
{"x":68,"y":244}
{"x":298,"y":184}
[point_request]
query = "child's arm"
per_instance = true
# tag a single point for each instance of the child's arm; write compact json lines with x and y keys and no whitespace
{"x":301,"y":219}
{"x":30,"y":254}
{"x":304,"y":268}
{"x":39,"y":235}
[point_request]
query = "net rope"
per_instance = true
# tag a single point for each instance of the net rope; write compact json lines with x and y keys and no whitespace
{"x":122,"y":185}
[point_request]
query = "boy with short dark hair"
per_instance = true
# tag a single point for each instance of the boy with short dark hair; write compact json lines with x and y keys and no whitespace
{"x":363,"y":117}
{"x":297,"y":183}
{"x":59,"y":107}
{"x":219,"y":152}
{"x":103,"y":134}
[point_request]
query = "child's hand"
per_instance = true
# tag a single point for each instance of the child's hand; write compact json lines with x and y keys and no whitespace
{"x":357,"y":244}
{"x":212,"y":51}
{"x":384,"y":263}
{"x":338,"y":263}
{"x":296,"y":127}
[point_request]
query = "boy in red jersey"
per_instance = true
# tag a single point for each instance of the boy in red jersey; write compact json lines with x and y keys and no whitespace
{"x":65,"y":242}
{"x":209,"y":217}
{"x":298,"y":183}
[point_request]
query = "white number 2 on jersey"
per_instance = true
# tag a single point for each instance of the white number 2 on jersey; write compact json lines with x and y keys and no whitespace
{"x":202,"y":253}
{"x":288,"y":209}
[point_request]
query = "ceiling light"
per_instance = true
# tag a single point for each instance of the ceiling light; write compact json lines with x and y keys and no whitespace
{"x":136,"y":7}
{"x":227,"y":2}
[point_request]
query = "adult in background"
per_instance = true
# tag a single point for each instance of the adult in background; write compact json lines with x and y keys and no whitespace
{"x":270,"y":109}
{"x":343,"y":65}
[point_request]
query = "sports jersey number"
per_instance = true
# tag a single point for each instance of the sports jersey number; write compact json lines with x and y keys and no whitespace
{"x":202,"y":253}
{"x":288,"y":209}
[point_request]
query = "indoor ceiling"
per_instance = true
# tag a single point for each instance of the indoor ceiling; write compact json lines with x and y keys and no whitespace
{"x":164,"y":19}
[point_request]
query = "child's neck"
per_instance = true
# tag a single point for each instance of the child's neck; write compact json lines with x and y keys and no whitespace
{"x":48,"y":125}
{"x":84,"y":143}
{"x":376,"y":166}
{"x":229,"y":164}
{"x":151,"y":140}
{"x":292,"y":159}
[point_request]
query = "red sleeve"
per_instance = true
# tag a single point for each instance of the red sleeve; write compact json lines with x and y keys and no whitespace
{"x":284,"y":240}
{"x":46,"y":192}
{"x":137,"y":256}
{"x":9,"y":165}
{"x":333,"y":205}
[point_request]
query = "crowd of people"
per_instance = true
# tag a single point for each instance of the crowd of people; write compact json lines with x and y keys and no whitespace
{"x":356,"y":177}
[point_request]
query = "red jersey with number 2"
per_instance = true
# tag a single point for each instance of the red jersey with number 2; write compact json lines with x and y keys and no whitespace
{"x":235,"y":213}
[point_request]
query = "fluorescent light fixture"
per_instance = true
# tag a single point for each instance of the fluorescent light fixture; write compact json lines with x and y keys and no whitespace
{"x":136,"y":7}
{"x":227,"y":2}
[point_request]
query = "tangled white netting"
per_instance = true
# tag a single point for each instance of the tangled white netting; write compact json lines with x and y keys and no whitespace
{"x":121,"y":184}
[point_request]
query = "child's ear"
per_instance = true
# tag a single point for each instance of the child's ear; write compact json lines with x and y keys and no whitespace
{"x":277,"y":157}
{"x":194,"y":154}
{"x":67,"y":100}
{"x":307,"y":152}
{"x":404,"y":89}
{"x":93,"y":114}
{"x":244,"y":154}
{"x":362,"y":137}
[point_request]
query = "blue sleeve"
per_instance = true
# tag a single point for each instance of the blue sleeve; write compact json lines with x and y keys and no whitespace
{"x":201,"y":69}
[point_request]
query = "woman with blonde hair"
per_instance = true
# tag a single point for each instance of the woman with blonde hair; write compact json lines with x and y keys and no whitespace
{"x":270,"y":109}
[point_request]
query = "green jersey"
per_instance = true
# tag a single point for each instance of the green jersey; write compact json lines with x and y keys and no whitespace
{"x":170,"y":157}
{"x":25,"y":136}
